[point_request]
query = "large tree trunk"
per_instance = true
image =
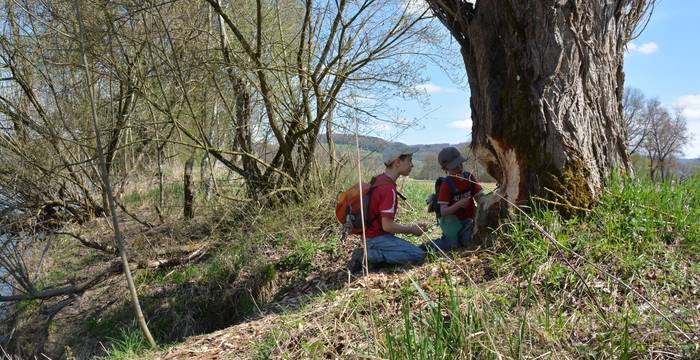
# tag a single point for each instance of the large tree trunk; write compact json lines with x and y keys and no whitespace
{"x":546,"y":83}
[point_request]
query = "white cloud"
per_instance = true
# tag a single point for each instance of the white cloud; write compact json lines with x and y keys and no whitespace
{"x":692,"y":150}
{"x":382,"y":127}
{"x":465,"y":124}
{"x":646,"y":48}
{"x":353,"y":98}
{"x":389,"y":126}
{"x":402,"y":121}
{"x":415,"y":7}
{"x":689,"y":106}
{"x":433,"y":89}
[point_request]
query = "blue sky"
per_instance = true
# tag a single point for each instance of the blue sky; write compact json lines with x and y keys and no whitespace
{"x":662,"y":62}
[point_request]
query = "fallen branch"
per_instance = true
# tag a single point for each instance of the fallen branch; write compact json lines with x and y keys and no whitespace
{"x":142,"y":222}
{"x":115,"y":267}
{"x":165,"y":263}
{"x":55,"y":308}
{"x":89,"y":243}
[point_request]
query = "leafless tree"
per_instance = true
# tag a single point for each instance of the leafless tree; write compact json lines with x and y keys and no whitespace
{"x":634,"y":106}
{"x":249,"y":87}
{"x":299,"y":72}
{"x":654,"y":132}
{"x":667,"y":135}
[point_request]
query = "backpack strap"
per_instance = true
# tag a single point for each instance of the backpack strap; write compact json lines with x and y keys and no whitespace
{"x":373,"y":184}
{"x":453,"y":188}
{"x":451,"y":184}
{"x":400,"y":195}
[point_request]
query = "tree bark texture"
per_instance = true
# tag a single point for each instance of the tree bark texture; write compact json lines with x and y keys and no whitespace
{"x":205,"y":175}
{"x":188,"y":211}
{"x":546,"y":81}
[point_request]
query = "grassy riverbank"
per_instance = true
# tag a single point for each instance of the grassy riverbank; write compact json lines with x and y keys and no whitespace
{"x":619,"y":281}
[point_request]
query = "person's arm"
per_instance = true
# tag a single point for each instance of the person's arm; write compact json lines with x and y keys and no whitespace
{"x":452,"y":209}
{"x":444,"y":197}
{"x":391,"y":226}
{"x":386,"y":201}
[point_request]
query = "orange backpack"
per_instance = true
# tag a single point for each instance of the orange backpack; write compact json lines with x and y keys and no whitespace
{"x":347,"y":209}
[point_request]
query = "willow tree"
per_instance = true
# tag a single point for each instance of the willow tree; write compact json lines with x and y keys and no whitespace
{"x":546,"y":80}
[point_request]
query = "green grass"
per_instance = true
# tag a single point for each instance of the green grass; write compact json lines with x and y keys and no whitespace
{"x":151,"y":195}
{"x":528,"y":301}
{"x":644,"y":234}
{"x":178,"y":276}
{"x":231,"y":282}
{"x":173,"y":192}
{"x":304,"y":253}
{"x":263,"y":349}
{"x":532,"y":300}
{"x":444,"y":330}
{"x":219,"y":270}
{"x":128,"y":345}
{"x":28,"y":306}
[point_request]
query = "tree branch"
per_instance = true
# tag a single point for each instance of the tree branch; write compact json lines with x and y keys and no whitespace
{"x":115,"y":267}
{"x":89,"y":243}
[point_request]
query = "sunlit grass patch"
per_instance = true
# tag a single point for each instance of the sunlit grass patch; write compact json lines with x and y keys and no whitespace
{"x":528,"y":297}
{"x":129,"y":344}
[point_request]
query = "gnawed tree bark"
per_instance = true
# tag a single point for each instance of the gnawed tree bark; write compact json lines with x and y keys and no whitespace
{"x":546,"y":81}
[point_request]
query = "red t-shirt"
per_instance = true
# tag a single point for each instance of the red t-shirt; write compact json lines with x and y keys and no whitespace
{"x":382,"y":204}
{"x":445,"y":195}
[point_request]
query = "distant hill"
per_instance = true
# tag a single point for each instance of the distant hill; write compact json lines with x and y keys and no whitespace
{"x":376,"y":144}
{"x":369,"y":143}
{"x":687,"y":167}
{"x":424,"y":159}
{"x":689,"y":161}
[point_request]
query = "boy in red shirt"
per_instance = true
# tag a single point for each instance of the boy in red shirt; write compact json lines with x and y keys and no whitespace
{"x":383,"y":246}
{"x":456,"y":200}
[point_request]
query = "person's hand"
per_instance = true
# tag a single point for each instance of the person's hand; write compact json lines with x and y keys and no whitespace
{"x":424,"y":226}
{"x":464,"y":202}
{"x":417,"y":230}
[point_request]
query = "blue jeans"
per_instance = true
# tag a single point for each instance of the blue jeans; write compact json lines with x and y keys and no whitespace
{"x":389,"y":249}
{"x":446,"y":243}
